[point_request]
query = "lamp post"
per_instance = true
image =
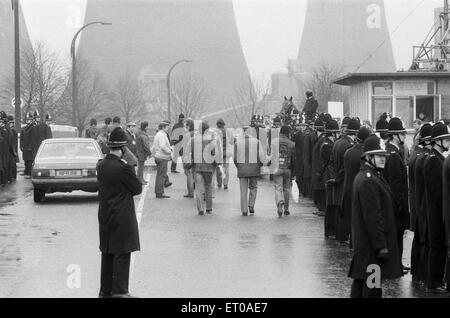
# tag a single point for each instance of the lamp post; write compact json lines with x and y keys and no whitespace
{"x":168,"y":83}
{"x":74,"y":73}
{"x":17,"y":104}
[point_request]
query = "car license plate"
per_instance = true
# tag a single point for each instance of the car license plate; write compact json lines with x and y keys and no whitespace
{"x":68,"y":173}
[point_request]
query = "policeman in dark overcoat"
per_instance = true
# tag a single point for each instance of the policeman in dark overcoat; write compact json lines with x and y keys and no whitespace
{"x":396,"y":176}
{"x":346,"y":141}
{"x":297,"y":138}
{"x":119,"y":233}
{"x":5,"y":133}
{"x":419,"y":224}
{"x":26,"y":145}
{"x":331,"y":131}
{"x":307,"y":160}
{"x":446,"y":212}
{"x":13,"y":154}
{"x":433,"y":171}
{"x":3,"y":150}
{"x":317,"y":183}
{"x":352,"y":164}
{"x":373,"y":225}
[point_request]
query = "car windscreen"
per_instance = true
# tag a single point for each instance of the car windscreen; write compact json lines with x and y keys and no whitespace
{"x":69,"y":150}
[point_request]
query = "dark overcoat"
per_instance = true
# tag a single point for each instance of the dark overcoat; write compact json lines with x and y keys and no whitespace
{"x":298,"y":163}
{"x":325,"y":155}
{"x":118,"y":227}
{"x":446,"y":198}
{"x":13,"y":154}
{"x":433,"y":172}
{"x":26,"y":145}
{"x":412,"y":186}
{"x":40,"y":132}
{"x":397,"y":178}
{"x":337,"y":164}
{"x":307,"y":150}
{"x":373,"y":226}
{"x":421,"y":226}
{"x":352,"y":165}
{"x":318,"y":182}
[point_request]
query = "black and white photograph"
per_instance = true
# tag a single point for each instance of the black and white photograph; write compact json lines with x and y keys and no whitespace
{"x":224,"y":154}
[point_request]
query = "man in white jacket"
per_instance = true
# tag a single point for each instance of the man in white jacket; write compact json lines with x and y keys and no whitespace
{"x":162,"y":152}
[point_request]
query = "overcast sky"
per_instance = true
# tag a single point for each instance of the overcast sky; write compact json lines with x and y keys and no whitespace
{"x":270,"y":30}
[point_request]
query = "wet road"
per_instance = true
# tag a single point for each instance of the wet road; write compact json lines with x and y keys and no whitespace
{"x":183,"y":254}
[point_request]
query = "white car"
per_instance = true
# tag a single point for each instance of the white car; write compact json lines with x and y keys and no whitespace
{"x":65,"y":165}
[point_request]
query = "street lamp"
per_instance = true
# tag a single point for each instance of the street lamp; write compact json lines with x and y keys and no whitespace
{"x":168,"y":83}
{"x":74,"y":73}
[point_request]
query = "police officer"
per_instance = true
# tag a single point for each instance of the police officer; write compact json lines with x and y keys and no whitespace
{"x":433,"y":170}
{"x":26,"y":144}
{"x":396,"y":176}
{"x":347,"y":140}
{"x":307,"y":159}
{"x":311,"y":105}
{"x":381,"y":129}
{"x":119,"y":233}
{"x":352,"y":164}
{"x":419,"y":224}
{"x":318,"y":184}
{"x":4,"y":146}
{"x":373,"y":224}
{"x":332,"y":134}
{"x":13,"y":154}
{"x":297,"y":138}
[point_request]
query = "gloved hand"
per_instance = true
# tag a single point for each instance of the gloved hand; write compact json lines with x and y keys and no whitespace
{"x":383,"y":254}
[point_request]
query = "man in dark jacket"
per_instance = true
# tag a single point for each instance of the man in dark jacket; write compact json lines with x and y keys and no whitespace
{"x":131,"y":138}
{"x":373,"y":226}
{"x":395,"y":174}
{"x":176,"y":138}
{"x":119,"y":232}
{"x":41,"y":131}
{"x":419,"y":224}
{"x":142,"y":150}
{"x":433,"y":172}
{"x":307,"y":160}
{"x":344,"y":143}
{"x":249,"y":156}
{"x":92,"y":131}
{"x":281,"y":167}
{"x":352,"y":165}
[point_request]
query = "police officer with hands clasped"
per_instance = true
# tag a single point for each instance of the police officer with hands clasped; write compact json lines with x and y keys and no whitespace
{"x":119,"y":233}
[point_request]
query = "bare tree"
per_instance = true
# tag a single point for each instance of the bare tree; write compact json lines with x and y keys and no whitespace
{"x":42,"y":80}
{"x":93,"y":97}
{"x":250,"y":100}
{"x":189,"y":95}
{"x":128,"y":97}
{"x":320,"y":81}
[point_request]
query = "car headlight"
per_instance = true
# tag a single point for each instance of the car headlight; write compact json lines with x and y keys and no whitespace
{"x":40,"y":173}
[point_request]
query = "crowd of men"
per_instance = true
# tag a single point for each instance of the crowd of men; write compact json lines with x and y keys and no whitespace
{"x":369,"y":187}
{"x":31,"y":136}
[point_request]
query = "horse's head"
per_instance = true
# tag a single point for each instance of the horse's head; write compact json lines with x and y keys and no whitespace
{"x":288,"y":103}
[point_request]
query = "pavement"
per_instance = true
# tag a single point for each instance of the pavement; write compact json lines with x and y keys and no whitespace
{"x":51,"y":249}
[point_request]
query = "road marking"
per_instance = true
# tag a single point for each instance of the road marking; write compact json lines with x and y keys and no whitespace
{"x":139,"y":213}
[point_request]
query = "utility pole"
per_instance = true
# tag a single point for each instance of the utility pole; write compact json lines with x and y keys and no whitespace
{"x":17,"y":102}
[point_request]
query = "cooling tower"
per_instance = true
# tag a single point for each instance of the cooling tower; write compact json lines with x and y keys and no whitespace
{"x":346,"y":34}
{"x":148,"y":36}
{"x":7,"y":46}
